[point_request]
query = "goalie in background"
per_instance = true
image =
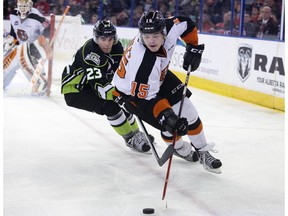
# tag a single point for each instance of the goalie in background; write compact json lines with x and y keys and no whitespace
{"x":26,"y":43}
{"x":86,"y":83}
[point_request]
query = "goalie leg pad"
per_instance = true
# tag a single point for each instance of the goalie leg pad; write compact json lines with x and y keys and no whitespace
{"x":10,"y":66}
{"x":8,"y":77}
{"x":28,"y":64}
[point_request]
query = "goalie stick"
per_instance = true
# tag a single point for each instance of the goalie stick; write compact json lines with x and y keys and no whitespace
{"x":42,"y":61}
{"x":167,"y":153}
{"x":175,"y":133}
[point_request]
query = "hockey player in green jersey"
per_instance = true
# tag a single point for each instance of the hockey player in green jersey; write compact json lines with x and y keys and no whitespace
{"x":86,"y":83}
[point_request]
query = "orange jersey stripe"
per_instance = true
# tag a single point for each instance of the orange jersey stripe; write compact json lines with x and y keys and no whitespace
{"x":192,"y":37}
{"x":160,"y":106}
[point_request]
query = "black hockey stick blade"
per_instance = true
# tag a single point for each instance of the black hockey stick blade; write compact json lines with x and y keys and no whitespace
{"x":166,"y":155}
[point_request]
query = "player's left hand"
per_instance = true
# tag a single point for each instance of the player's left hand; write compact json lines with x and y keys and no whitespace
{"x":193,"y":56}
{"x":119,"y":100}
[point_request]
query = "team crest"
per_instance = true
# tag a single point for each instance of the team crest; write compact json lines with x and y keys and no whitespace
{"x":244,"y":61}
{"x":93,"y":57}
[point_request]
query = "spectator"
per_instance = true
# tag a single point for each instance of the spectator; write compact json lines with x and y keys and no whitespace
{"x":268,"y":26}
{"x":258,"y":3}
{"x":255,"y":14}
{"x":80,"y":2}
{"x":224,"y":27}
{"x":43,"y":6}
{"x":137,"y":13}
{"x":94,"y":5}
{"x":127,"y":3}
{"x":214,"y":9}
{"x":86,"y":12}
{"x":148,"y":5}
{"x":8,"y":8}
{"x":94,"y":19}
{"x":275,"y":8}
{"x":250,"y":28}
{"x":74,"y":8}
{"x":59,"y":8}
{"x":207,"y":25}
{"x":163,"y":8}
{"x":116,"y":6}
{"x":120,"y":18}
{"x":237,"y":12}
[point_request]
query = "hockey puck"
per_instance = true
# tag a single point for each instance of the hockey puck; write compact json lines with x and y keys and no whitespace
{"x":148,"y":211}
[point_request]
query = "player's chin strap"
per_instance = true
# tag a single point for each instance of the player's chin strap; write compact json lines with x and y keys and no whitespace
{"x":175,"y":133}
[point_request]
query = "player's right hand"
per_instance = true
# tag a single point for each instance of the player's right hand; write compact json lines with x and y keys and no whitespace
{"x":181,"y":126}
{"x":172,"y":122}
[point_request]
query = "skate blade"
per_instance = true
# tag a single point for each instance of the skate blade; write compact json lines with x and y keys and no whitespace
{"x":217,"y":171}
{"x":135,"y":150}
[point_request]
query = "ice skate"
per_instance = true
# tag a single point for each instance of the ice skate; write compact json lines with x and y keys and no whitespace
{"x":210,"y":163}
{"x":186,"y":152}
{"x":138,"y":142}
{"x":191,"y":157}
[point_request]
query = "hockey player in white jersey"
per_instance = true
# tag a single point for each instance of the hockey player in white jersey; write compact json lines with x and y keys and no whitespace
{"x":152,"y":92}
{"x":26,"y":44}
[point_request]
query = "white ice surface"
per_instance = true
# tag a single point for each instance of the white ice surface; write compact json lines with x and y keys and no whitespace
{"x":60,"y":161}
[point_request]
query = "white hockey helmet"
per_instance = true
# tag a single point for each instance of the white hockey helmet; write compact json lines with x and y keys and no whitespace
{"x":24,"y":7}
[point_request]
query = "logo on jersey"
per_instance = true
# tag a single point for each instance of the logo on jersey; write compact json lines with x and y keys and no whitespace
{"x":244,"y":61}
{"x":93,"y":57}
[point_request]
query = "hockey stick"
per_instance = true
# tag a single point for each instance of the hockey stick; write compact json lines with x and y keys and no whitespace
{"x":42,"y":61}
{"x":175,"y":133}
{"x":167,"y":153}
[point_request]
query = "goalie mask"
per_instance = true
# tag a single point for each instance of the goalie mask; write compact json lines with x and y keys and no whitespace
{"x":24,"y":7}
{"x":104,"y":28}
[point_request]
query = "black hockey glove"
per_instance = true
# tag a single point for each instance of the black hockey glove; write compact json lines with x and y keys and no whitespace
{"x":193,"y":56}
{"x":118,"y":99}
{"x":125,"y":105}
{"x":172,"y":122}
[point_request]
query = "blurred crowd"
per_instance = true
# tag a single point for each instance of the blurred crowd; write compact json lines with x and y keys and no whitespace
{"x":261,"y":18}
